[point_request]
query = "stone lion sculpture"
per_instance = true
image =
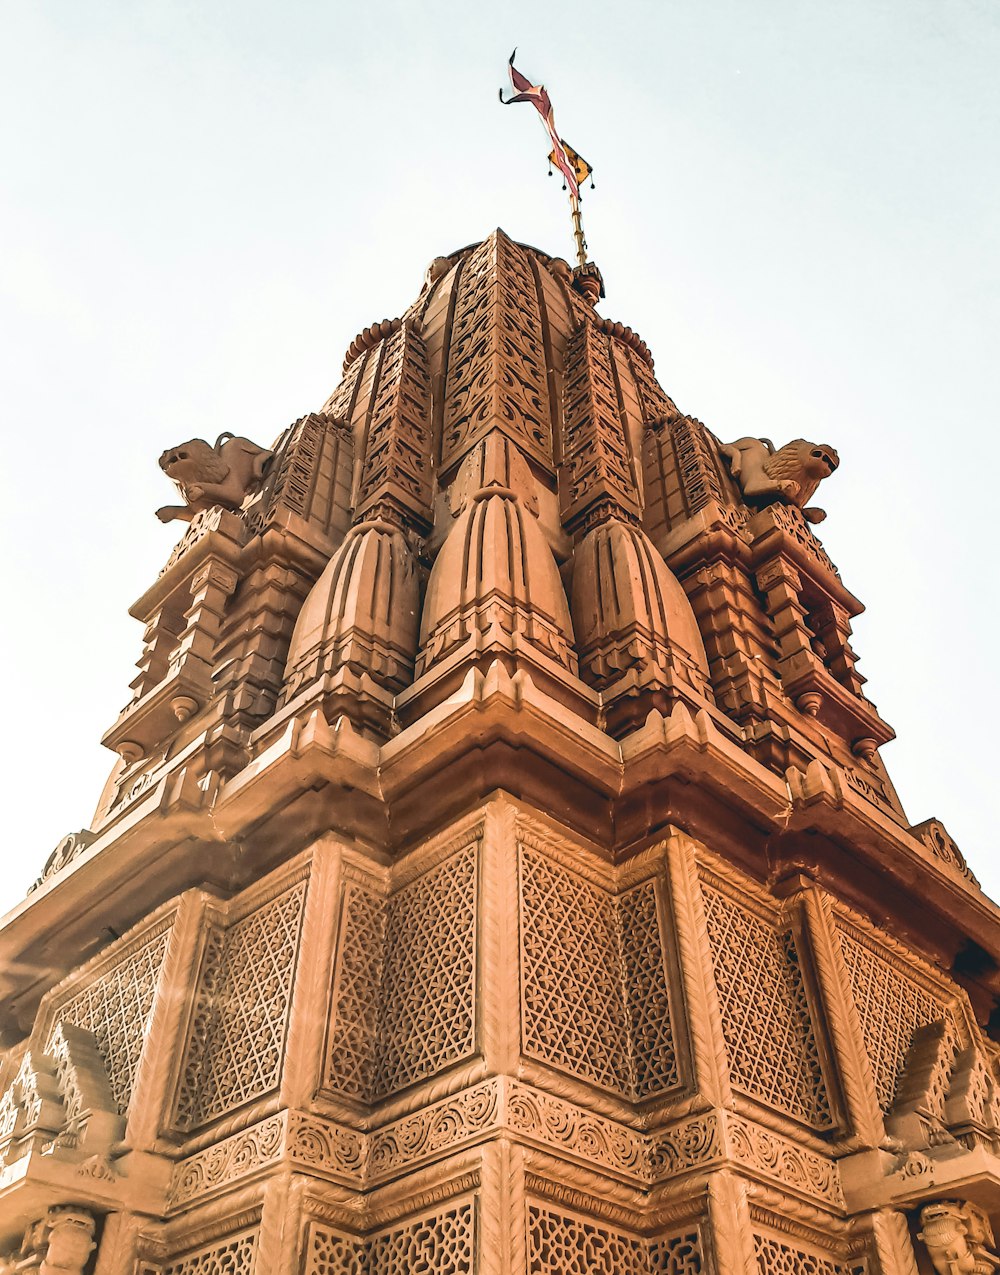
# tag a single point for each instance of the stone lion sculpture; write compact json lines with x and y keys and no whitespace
{"x":791,"y":474}
{"x":208,"y":476}
{"x":958,"y":1238}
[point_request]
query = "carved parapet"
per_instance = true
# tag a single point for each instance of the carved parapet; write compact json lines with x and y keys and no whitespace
{"x":937,"y":839}
{"x":69,"y":848}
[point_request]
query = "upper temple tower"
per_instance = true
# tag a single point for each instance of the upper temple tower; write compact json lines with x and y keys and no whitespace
{"x":499,"y":873}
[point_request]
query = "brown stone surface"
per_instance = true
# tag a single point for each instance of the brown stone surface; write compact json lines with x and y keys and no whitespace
{"x":499,"y":873}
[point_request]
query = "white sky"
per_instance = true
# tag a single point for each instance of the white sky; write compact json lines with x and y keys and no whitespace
{"x":202,"y":203}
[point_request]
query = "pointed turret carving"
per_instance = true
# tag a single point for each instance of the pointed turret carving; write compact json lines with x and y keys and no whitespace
{"x":598,"y":467}
{"x":357,"y":631}
{"x":636,"y":635}
{"x":496,"y":371}
{"x":397,"y":461}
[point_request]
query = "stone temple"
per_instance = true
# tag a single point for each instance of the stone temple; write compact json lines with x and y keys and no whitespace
{"x":499,"y":874}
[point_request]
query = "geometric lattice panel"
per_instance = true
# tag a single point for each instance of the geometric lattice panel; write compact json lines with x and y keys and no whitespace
{"x":890,"y":1007}
{"x":440,"y":1245}
{"x":680,"y":1255}
{"x":772,"y":1048}
{"x":116,"y":1007}
{"x":774,"y":1257}
{"x":573,"y":1009}
{"x":350,"y":1065}
{"x":231,"y":1256}
{"x":427,"y":1005}
{"x":237,"y":1038}
{"x":654,"y":1060}
{"x":561,"y":1245}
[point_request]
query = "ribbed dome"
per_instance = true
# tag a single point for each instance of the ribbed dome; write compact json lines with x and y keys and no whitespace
{"x":361,"y":613}
{"x":628,"y":608}
{"x":494,"y":574}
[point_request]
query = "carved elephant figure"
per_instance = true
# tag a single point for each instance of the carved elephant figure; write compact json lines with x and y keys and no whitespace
{"x":956,"y":1236}
{"x":206,"y":476}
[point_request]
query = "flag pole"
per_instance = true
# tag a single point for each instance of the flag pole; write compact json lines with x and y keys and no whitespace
{"x":581,"y":243}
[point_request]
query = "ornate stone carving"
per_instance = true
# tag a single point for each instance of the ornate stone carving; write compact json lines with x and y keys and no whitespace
{"x":891,"y":1004}
{"x":597,"y":462}
{"x":226,"y":1162}
{"x":917,"y":1116}
{"x":236,"y":1046}
{"x":778,"y":1257}
{"x":508,"y":598}
{"x":563,"y":1125}
{"x":941,"y":844}
{"x":559,"y":1244}
{"x":958,"y":1238}
{"x":684,"y":1146}
{"x":770,"y":1037}
{"x":207,"y":476}
{"x":405,"y":1143}
{"x":427,"y":1017}
{"x":397,"y":461}
{"x":350,"y":1066}
{"x":70,"y":1240}
{"x":406,"y":976}
{"x":784,"y":1161}
{"x":115,"y":1003}
{"x":442,"y":1243}
{"x":58,"y":1244}
{"x":790,"y":474}
{"x":579,"y":1014}
{"x":325,"y":1146}
{"x":310,"y":476}
{"x":369,"y":337}
{"x":233,"y":1255}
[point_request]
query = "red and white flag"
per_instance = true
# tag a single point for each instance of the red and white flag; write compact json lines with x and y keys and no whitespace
{"x":536,"y":94}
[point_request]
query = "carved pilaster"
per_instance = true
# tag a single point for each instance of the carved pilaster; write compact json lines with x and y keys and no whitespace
{"x":303,"y":1070}
{"x":502,"y":1210}
{"x":501,"y":1001}
{"x":893,"y":1247}
{"x":729,"y":1217}
{"x":853,"y":1067}
{"x":701,"y":1001}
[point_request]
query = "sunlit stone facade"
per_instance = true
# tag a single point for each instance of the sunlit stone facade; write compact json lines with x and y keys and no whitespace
{"x":499,"y":874}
